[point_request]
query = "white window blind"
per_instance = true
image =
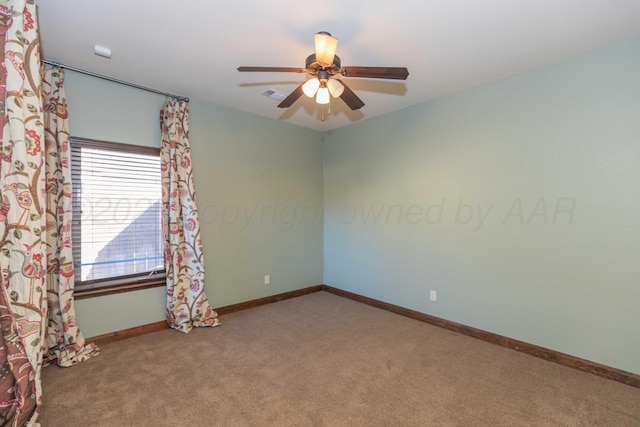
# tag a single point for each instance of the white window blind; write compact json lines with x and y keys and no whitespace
{"x":117,"y":212}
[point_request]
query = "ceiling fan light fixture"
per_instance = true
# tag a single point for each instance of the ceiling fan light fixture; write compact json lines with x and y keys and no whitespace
{"x":335,"y":87}
{"x":322,"y":96}
{"x":311,"y":87}
{"x":324,"y":69}
{"x":326,"y":46}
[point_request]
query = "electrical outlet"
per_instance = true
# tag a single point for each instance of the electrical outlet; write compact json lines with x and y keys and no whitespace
{"x":433,"y":295}
{"x":267,"y":279}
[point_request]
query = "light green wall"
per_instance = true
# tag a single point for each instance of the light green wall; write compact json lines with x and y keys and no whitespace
{"x":269,"y":172}
{"x":517,"y":202}
{"x":112,"y":112}
{"x":448,"y":178}
{"x":260,"y":193}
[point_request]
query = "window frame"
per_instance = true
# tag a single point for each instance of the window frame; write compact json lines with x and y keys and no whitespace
{"x":127,"y":283}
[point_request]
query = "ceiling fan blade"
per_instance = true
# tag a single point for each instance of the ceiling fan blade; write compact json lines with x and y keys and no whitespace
{"x":275,"y":69}
{"x":293,"y":97}
{"x":397,"y":73}
{"x":350,"y":98}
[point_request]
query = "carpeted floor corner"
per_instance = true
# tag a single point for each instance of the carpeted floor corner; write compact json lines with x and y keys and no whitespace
{"x":323,"y":360}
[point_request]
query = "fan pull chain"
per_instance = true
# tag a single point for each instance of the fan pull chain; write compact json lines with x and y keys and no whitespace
{"x":322,"y":117}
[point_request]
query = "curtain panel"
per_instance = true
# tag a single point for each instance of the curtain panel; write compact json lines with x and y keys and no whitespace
{"x":187,"y":305}
{"x":65,"y":342}
{"x":22,"y":244}
{"x":37,"y":315}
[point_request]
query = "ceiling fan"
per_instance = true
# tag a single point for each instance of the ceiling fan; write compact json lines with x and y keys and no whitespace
{"x":325,"y":68}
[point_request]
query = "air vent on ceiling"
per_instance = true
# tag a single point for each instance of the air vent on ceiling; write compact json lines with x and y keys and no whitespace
{"x":274,"y":94}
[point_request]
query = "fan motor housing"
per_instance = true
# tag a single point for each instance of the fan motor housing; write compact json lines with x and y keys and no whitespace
{"x":314,"y":66}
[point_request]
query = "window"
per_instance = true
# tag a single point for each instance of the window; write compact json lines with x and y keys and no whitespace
{"x":117,"y":216}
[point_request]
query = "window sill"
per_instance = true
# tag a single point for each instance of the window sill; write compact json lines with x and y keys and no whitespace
{"x":98,"y":292}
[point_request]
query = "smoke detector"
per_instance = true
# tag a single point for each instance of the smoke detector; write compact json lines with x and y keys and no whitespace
{"x":103,"y":51}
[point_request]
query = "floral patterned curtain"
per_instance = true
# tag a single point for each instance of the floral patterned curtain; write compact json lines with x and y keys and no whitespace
{"x":5,"y":22}
{"x":22,"y":221}
{"x":187,"y":305}
{"x":65,"y":342}
{"x":17,"y":382}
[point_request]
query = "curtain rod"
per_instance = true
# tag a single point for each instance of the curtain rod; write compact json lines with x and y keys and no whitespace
{"x":111,"y":79}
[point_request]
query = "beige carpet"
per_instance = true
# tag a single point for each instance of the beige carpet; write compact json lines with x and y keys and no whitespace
{"x":322,"y":360}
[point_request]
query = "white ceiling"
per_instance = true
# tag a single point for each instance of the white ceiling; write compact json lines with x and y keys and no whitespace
{"x":193,"y":47}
